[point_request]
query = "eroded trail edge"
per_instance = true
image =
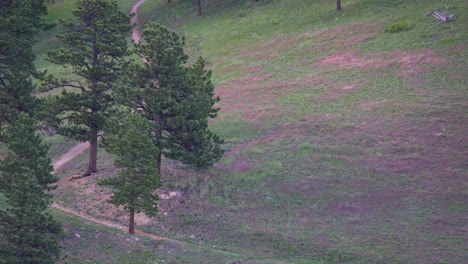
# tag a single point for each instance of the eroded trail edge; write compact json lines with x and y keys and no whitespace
{"x":111,"y":224}
{"x":71,"y":154}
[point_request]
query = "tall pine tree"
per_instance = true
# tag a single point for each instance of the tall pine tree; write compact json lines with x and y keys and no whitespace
{"x":20,"y":21}
{"x":93,"y":50}
{"x":137,"y":179}
{"x":176,"y":98}
{"x":28,"y":234}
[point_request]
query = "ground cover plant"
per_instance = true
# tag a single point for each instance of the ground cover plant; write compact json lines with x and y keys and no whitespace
{"x":344,"y":143}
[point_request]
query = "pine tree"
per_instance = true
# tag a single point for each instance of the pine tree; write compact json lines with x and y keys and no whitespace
{"x":137,"y":179}
{"x":28,"y":234}
{"x":20,"y":21}
{"x":176,"y":98}
{"x":93,"y":49}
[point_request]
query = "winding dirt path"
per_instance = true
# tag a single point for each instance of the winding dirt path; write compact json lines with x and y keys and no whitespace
{"x":111,"y":224}
{"x":135,"y":33}
{"x":71,"y":154}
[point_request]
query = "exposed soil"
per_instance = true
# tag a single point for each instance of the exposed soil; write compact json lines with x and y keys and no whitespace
{"x":136,"y":32}
{"x":72,"y":153}
{"x":111,"y":224}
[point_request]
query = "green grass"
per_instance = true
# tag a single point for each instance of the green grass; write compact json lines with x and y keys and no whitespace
{"x":235,"y":131}
{"x":358,"y":163}
{"x":86,"y":242}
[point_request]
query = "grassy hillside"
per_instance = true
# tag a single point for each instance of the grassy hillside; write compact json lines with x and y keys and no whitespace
{"x":344,"y":143}
{"x":86,"y":242}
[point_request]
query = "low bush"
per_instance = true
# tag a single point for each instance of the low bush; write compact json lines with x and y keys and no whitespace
{"x":402,"y":25}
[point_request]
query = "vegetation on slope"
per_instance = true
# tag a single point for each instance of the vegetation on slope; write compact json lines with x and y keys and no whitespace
{"x":344,"y":142}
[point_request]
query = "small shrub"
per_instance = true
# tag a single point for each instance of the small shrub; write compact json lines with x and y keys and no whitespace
{"x":398,"y":26}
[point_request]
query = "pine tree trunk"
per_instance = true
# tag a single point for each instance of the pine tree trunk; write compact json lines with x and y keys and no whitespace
{"x":199,"y":11}
{"x":131,"y":225}
{"x":338,"y":4}
{"x":159,"y":136}
{"x":92,"y":164}
{"x":158,"y":163}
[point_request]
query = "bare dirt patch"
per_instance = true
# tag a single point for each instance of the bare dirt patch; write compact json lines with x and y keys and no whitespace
{"x":346,"y":60}
{"x":372,"y":104}
{"x":242,"y":87}
{"x":85,"y":196}
{"x":410,"y":64}
{"x":270,"y":49}
{"x":240,"y":164}
{"x":252,"y":98}
{"x":349,"y":87}
{"x":345,"y":37}
{"x":72,"y":153}
{"x":253,"y":69}
{"x":341,"y":38}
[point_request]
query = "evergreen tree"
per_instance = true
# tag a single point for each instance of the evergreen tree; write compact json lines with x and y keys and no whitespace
{"x":28,"y":235}
{"x":20,"y":21}
{"x":93,"y":49}
{"x":176,"y":98}
{"x":137,"y":179}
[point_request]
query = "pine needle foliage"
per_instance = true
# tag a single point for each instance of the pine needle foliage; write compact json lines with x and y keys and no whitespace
{"x":135,"y":153}
{"x":93,"y":51}
{"x":176,"y":98}
{"x":28,"y":234}
{"x":20,"y":21}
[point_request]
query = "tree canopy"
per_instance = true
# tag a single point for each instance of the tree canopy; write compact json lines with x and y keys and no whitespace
{"x":135,"y":153}
{"x":20,"y":21}
{"x":28,"y":234}
{"x":176,"y":98}
{"x":93,"y":51}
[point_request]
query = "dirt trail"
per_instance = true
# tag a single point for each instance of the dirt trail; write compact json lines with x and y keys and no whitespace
{"x":136,"y":33}
{"x":72,"y":153}
{"x":111,"y":224}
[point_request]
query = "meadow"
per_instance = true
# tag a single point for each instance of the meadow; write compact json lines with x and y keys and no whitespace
{"x":345,"y":139}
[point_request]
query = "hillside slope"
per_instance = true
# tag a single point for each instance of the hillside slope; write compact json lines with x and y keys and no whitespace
{"x":344,"y":143}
